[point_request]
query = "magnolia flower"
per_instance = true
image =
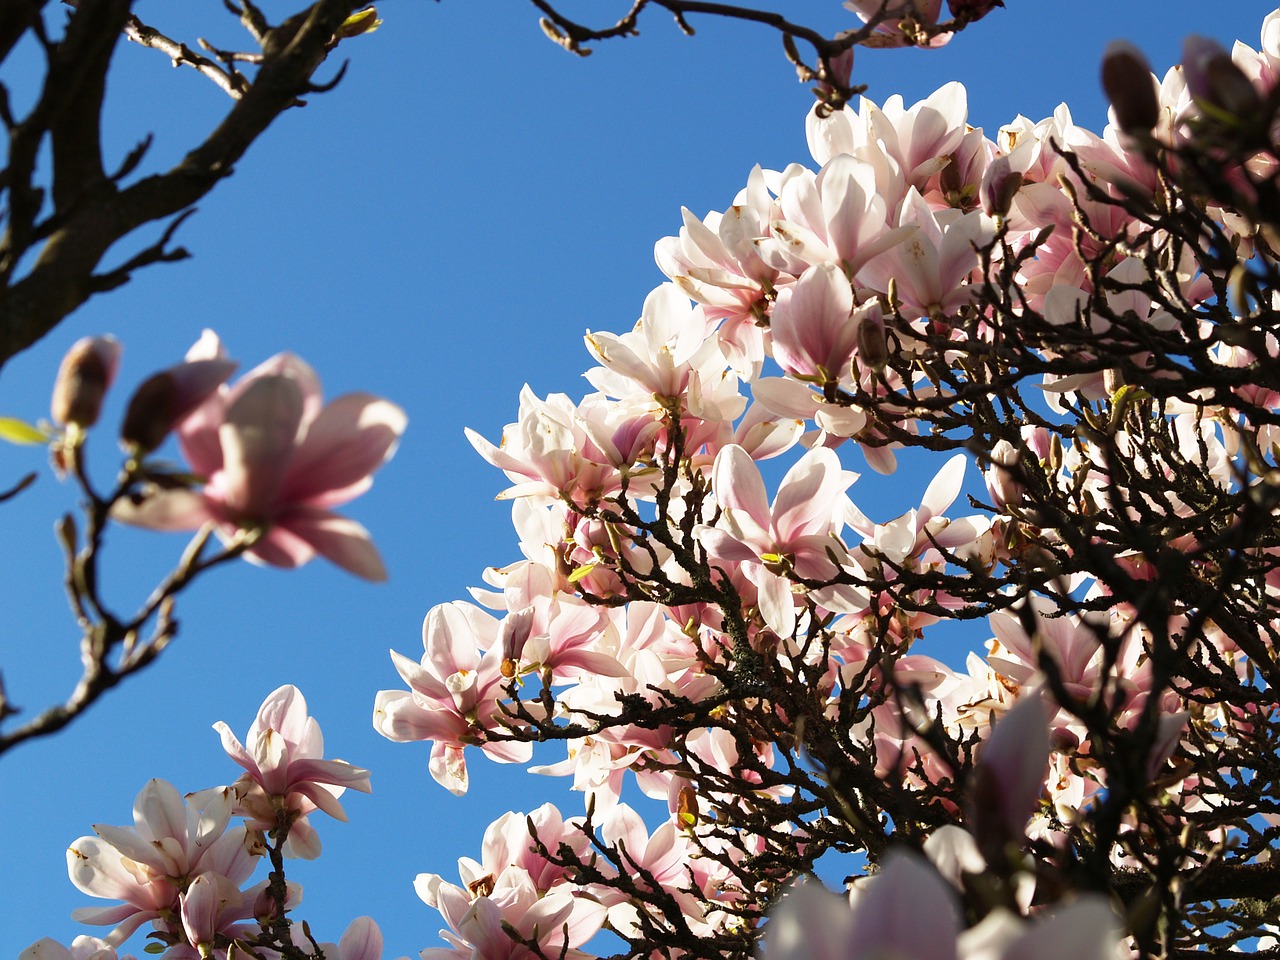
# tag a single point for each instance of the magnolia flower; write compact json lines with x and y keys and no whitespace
{"x":149,"y":865}
{"x":285,"y":772}
{"x":276,"y":459}
{"x":558,"y":922}
{"x":772,"y":542}
{"x":453,"y":695}
{"x":902,"y":20}
{"x":82,"y":948}
{"x":908,"y":911}
{"x":362,"y":940}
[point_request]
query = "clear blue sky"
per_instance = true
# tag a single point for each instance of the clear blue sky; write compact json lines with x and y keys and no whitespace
{"x":440,"y":229}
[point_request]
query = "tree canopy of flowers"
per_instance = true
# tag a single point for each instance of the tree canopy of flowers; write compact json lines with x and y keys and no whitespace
{"x":1076,"y":332}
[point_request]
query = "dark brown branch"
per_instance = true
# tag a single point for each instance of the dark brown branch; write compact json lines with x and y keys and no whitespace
{"x":91,"y":214}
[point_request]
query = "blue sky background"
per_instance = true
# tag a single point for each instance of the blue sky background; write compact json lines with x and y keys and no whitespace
{"x":440,"y":229}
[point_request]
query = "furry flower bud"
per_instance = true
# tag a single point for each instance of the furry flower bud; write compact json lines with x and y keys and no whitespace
{"x":1127,"y":80}
{"x":1214,"y":79}
{"x":83,"y":378}
{"x":163,"y":400}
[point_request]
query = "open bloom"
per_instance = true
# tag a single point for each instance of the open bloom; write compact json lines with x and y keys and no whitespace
{"x":276,"y":459}
{"x":907,"y":910}
{"x":285,"y":770}
{"x":150,"y":864}
{"x":792,"y":536}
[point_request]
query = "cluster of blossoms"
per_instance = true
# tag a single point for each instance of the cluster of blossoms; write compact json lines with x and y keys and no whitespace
{"x":184,"y":864}
{"x":1093,"y":317}
{"x":671,"y":621}
{"x":268,"y":461}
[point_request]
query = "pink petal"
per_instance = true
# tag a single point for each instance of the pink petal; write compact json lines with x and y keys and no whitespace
{"x":943,"y":490}
{"x":807,"y":493}
{"x":338,"y":539}
{"x":399,"y":717}
{"x":348,"y":441}
{"x":906,"y":910}
{"x":362,"y":941}
{"x":258,"y":438}
{"x":810,"y":923}
{"x":737,"y":484}
{"x":165,"y":510}
{"x":296,"y":369}
{"x":281,"y":547}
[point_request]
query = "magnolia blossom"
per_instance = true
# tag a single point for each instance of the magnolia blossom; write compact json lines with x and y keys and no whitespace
{"x":907,"y":910}
{"x":285,"y":774}
{"x":82,"y":948}
{"x":900,"y":21}
{"x":276,"y":460}
{"x":454,"y":694}
{"x":774,"y":542}
{"x":558,"y":922}
{"x":150,"y":865}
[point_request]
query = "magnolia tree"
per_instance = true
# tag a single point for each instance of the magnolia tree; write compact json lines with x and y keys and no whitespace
{"x":1085,"y":324}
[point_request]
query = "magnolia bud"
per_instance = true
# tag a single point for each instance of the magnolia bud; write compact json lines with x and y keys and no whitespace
{"x":1001,"y":477}
{"x":1213,"y":77}
{"x":1007,"y":782}
{"x":950,"y":181}
{"x":166,"y":398}
{"x":840,"y":67}
{"x":83,"y":378}
{"x":873,"y":346}
{"x":1000,"y":183}
{"x":1127,"y":80}
{"x":359,"y":23}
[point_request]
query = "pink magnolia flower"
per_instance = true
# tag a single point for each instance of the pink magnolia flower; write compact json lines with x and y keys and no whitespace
{"x":907,"y":910}
{"x":815,"y":326}
{"x":454,"y":694}
{"x":931,"y":269}
{"x":889,"y":31}
{"x":509,"y":842}
{"x":284,"y":770}
{"x":82,"y":948}
{"x":667,"y":857}
{"x":362,"y":940}
{"x":276,"y":459}
{"x":715,"y":261}
{"x":838,"y":216}
{"x":559,"y":922}
{"x":793,"y":535}
{"x":148,"y":865}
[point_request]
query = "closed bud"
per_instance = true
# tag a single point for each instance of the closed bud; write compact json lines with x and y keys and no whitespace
{"x":838,"y":69}
{"x":165,"y":399}
{"x":1129,"y":85}
{"x":1214,"y":79}
{"x":1000,"y":184}
{"x":949,"y":180}
{"x":1007,"y":782}
{"x":83,"y":378}
{"x":1003,"y":485}
{"x":873,"y":345}
{"x":361,"y":22}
